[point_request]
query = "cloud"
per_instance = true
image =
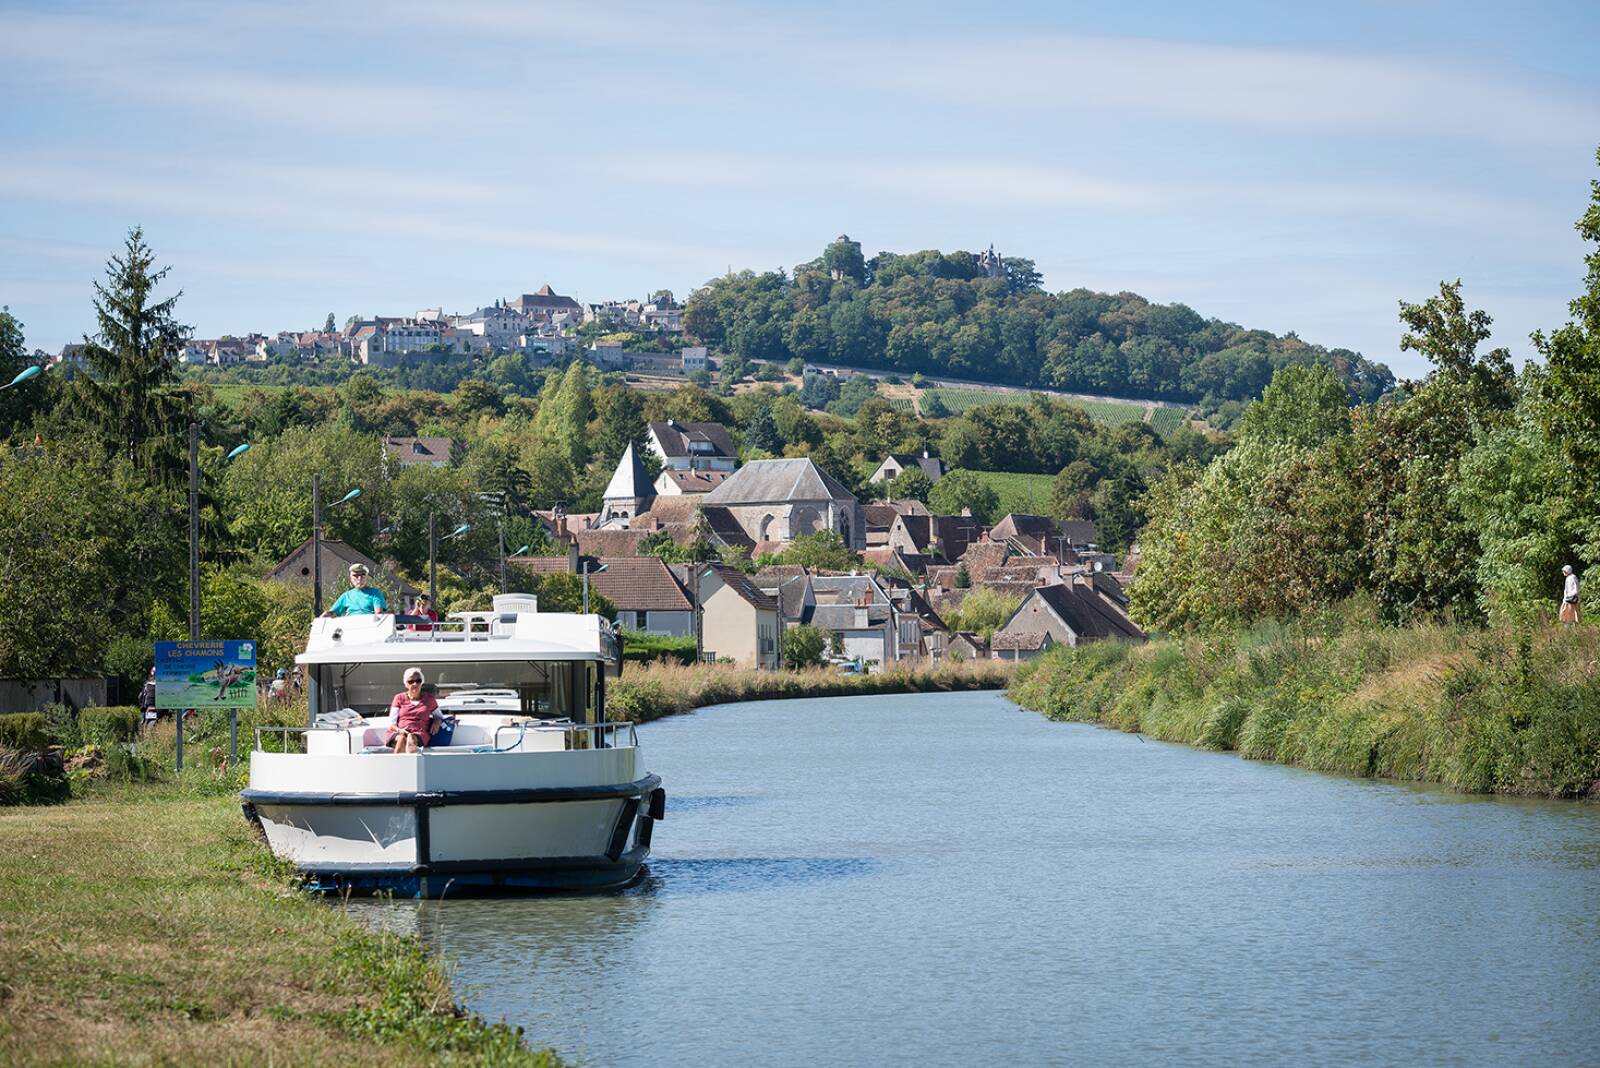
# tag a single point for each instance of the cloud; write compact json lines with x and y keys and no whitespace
{"x":1277,"y":87}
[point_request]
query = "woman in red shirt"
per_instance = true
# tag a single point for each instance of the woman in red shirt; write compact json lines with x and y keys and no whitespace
{"x":413,"y":715}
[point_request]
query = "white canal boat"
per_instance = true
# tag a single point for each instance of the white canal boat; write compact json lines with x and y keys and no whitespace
{"x":528,"y":788}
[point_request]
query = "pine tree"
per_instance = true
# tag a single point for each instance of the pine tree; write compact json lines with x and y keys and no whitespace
{"x":130,"y":396}
{"x":762,"y":433}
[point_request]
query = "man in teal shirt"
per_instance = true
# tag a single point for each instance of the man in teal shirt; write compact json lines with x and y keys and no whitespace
{"x":360,"y":599}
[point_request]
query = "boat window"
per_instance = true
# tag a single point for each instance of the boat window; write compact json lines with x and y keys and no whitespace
{"x":543,"y":688}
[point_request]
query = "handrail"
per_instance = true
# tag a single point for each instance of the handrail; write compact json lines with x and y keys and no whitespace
{"x":349,"y":739}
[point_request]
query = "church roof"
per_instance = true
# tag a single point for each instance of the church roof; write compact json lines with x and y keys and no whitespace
{"x":630,"y":480}
{"x":776,"y":481}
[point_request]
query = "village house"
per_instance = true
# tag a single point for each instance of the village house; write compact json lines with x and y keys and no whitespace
{"x":646,"y":594}
{"x":675,"y":483}
{"x":692,"y":446}
{"x":337,"y":559}
{"x":894,"y":464}
{"x":738,"y":621}
{"x":1068,"y":613}
{"x":414,"y":452}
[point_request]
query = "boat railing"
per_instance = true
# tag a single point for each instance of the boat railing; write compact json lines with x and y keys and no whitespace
{"x":578,"y":735}
{"x":459,"y":627}
{"x":283,"y":733}
{"x":612,"y":734}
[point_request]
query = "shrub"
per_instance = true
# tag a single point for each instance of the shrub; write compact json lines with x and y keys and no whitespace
{"x":23,"y":730}
{"x":109,"y":726}
{"x":31,"y":778}
{"x":61,"y":724}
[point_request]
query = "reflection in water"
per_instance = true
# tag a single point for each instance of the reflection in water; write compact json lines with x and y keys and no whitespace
{"x":713,"y":875}
{"x":944,"y":879}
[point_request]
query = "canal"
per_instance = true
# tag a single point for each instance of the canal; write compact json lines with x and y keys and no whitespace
{"x":947,"y":879}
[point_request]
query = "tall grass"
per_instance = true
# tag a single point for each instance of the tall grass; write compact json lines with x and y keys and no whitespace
{"x":661,"y":689}
{"x":1487,"y":711}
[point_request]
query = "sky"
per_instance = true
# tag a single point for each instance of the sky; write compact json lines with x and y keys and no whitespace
{"x":1281,"y":169}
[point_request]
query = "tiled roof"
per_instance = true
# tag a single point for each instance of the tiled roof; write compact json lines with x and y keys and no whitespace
{"x":778,"y":481}
{"x":608,"y":543}
{"x":740,"y":583}
{"x":1020,"y":524}
{"x":632,"y":583}
{"x":675,"y":437}
{"x":844,"y":617}
{"x":879,"y":516}
{"x":846,"y":589}
{"x":727,"y":528}
{"x":1021,"y":640}
{"x":1080,"y":532}
{"x":982,"y":555}
{"x":790,"y":590}
{"x":696,"y":481}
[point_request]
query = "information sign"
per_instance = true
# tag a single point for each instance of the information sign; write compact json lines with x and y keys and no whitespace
{"x":206,"y":674}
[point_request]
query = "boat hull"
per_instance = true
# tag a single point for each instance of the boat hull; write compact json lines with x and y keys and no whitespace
{"x":427,"y":843}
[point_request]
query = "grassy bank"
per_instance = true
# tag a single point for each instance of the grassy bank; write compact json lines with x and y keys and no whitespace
{"x":661,"y":689}
{"x":1489,"y":711}
{"x":146,"y":925}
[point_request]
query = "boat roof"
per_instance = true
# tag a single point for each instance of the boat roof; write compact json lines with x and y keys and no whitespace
{"x":468,"y":636}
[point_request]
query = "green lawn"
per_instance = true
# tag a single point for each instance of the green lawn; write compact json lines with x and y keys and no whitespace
{"x":147,"y":924}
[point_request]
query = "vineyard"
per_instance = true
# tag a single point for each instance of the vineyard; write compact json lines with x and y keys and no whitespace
{"x":1164,"y":418}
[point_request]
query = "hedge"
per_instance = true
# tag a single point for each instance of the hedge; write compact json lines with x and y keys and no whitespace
{"x":23,"y":730}
{"x":109,"y":725}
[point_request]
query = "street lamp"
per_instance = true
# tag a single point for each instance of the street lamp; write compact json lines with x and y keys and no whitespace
{"x":316,"y":537}
{"x":23,"y":375}
{"x":194,"y":517}
{"x":586,"y":574}
{"x":433,"y":552}
{"x":194,"y":567}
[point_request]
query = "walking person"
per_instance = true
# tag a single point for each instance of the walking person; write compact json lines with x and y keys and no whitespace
{"x":147,"y":700}
{"x":1569,"y":596}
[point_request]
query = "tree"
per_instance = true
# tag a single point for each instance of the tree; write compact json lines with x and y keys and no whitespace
{"x":762,"y":432}
{"x":983,"y":611}
{"x":963,"y":578}
{"x":19,"y":404}
{"x":911,"y":484}
{"x":1571,"y":414}
{"x":328,"y":326}
{"x":475,"y":397}
{"x":964,"y":489}
{"x":804,"y":646}
{"x":1448,"y":335}
{"x":797,"y":367}
{"x":55,"y":572}
{"x":818,"y":390}
{"x":564,"y":410}
{"x":825,"y":549}
{"x":561,"y":591}
{"x":130,"y":398}
{"x":932,"y":405}
{"x":842,"y":259}
{"x":1072,"y":491}
{"x":1302,"y":406}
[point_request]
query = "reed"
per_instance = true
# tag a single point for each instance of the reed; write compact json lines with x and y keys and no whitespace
{"x":1491,"y":711}
{"x":662,"y":689}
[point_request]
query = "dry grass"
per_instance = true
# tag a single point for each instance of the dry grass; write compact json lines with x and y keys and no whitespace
{"x":147,"y":927}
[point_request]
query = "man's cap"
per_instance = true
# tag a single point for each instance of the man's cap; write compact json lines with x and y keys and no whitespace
{"x":358,"y":569}
{"x":1566,"y":569}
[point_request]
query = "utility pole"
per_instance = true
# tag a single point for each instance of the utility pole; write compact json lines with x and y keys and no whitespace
{"x":433,"y":559}
{"x":503,"y":555}
{"x":316,"y":544}
{"x":194,"y":531}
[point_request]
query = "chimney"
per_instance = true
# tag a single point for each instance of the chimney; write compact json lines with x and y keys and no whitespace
{"x":572,"y":557}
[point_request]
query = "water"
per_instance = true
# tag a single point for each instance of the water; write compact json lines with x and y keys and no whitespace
{"x":947,"y":879}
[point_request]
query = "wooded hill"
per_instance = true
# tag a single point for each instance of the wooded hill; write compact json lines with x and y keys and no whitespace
{"x":986,"y":318}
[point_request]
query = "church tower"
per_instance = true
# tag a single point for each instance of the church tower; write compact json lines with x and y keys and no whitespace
{"x":629,"y":492}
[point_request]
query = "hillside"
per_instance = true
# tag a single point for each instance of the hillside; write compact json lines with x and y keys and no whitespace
{"x":986,"y":318}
